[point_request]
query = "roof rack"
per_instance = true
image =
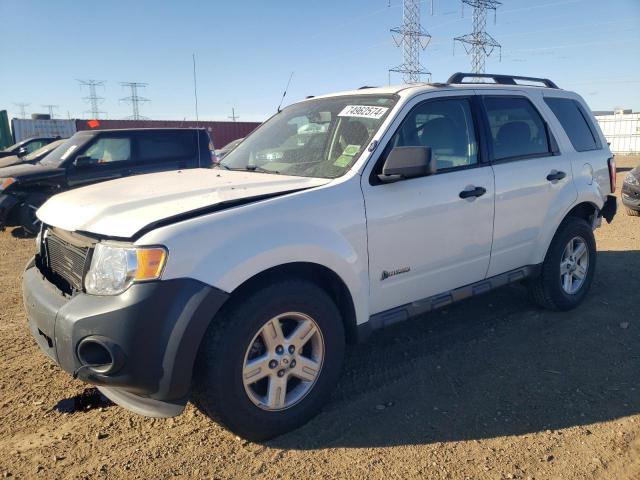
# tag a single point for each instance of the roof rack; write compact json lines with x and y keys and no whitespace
{"x":499,"y":78}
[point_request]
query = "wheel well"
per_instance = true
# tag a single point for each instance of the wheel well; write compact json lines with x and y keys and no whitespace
{"x":322,"y":276}
{"x":584,"y":210}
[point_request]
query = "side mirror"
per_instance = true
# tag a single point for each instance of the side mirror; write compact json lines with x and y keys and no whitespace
{"x":408,"y":162}
{"x":84,"y":161}
{"x":22,"y":151}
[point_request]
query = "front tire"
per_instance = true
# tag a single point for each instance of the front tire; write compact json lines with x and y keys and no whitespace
{"x":270,"y":360}
{"x":568,"y":268}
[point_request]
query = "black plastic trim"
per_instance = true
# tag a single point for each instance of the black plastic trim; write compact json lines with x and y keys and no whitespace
{"x":610,"y":208}
{"x":420,"y":307}
{"x":500,"y":79}
{"x":152,"y":331}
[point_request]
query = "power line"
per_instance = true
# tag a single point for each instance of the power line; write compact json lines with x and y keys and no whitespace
{"x":412,"y":38}
{"x":93,"y":99}
{"x":51,"y":108}
{"x":134,"y":99}
{"x":479,"y":44}
{"x":23,"y":109}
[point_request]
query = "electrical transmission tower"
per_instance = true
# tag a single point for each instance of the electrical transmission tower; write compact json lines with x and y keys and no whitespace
{"x":50,"y":108}
{"x":479,"y":44}
{"x":134,"y":99}
{"x":93,"y":99}
{"x":233,"y":116}
{"x":23,"y":109}
{"x":412,"y":38}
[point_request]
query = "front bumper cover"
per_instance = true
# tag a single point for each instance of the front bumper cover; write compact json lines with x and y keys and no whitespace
{"x":154,"y":329}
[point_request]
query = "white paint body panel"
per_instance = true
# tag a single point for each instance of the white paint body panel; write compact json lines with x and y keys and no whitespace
{"x":122,"y":207}
{"x":347,"y":225}
{"x":323,"y":225}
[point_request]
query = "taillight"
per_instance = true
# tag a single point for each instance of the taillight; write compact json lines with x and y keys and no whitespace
{"x":612,"y":173}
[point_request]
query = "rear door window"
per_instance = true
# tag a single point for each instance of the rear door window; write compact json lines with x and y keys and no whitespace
{"x":517,"y":129}
{"x":572,"y":118}
{"x":166,"y":146}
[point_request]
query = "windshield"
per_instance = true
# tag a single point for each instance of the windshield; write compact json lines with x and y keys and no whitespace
{"x":13,"y":147}
{"x":42,"y":150}
{"x":316,"y":138}
{"x":60,"y":154}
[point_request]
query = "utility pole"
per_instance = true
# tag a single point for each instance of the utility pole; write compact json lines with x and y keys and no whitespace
{"x":134,"y":99}
{"x":412,"y":38}
{"x":51,"y":108}
{"x":195,"y":85}
{"x":23,"y":109}
{"x":233,"y":116}
{"x":479,"y":44}
{"x":93,"y":99}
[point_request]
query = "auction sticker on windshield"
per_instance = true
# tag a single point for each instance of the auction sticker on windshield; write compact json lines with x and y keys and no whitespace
{"x":363,"y":111}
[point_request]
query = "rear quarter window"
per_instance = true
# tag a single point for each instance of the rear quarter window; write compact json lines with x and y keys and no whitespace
{"x":153,"y":147}
{"x":574,"y":121}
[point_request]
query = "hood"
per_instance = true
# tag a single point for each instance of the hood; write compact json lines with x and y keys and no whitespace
{"x":25,"y":171}
{"x":121,"y":208}
{"x":10,"y":160}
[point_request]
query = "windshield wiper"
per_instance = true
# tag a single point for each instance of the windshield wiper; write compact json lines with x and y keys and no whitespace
{"x":257,"y":168}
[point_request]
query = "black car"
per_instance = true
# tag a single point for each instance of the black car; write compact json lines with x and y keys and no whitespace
{"x":631,"y":192}
{"x":28,"y":145}
{"x":33,"y":157}
{"x":96,"y":156}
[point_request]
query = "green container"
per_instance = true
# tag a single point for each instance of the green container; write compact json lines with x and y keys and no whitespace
{"x":5,"y":134}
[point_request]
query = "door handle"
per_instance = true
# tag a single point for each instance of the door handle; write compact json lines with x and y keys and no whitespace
{"x":475,"y":192}
{"x":556,"y":175}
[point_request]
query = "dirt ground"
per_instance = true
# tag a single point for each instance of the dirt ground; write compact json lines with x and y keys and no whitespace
{"x":491,"y":388}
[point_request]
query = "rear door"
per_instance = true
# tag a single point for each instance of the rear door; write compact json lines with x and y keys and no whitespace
{"x":159,"y":151}
{"x":432,"y":234}
{"x":533,"y":178}
{"x":111,"y":157}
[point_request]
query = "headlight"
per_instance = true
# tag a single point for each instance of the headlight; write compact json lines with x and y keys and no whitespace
{"x":631,"y":179}
{"x":114,"y":268}
{"x":5,"y":182}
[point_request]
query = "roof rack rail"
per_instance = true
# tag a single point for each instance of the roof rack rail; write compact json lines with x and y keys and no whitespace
{"x":499,"y":78}
{"x":364,"y":87}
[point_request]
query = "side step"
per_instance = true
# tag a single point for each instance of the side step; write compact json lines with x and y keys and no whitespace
{"x":420,"y":307}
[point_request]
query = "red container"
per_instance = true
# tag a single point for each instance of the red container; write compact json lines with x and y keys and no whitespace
{"x":221,"y":133}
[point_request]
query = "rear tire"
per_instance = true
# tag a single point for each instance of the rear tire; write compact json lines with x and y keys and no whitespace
{"x":223,"y":385}
{"x":568,"y":268}
{"x":633,"y":213}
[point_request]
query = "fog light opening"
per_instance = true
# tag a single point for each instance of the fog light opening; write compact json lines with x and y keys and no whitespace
{"x":95,"y":356}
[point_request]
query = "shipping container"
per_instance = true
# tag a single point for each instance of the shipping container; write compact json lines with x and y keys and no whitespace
{"x":25,"y":128}
{"x":221,"y":133}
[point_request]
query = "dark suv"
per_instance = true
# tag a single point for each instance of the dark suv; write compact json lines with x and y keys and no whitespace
{"x":96,"y":156}
{"x":28,"y":145}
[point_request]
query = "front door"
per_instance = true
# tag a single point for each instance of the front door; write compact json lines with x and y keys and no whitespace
{"x":432,"y":234}
{"x":110,"y":158}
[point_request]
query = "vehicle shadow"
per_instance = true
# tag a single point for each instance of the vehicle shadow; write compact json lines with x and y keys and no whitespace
{"x":488,"y":367}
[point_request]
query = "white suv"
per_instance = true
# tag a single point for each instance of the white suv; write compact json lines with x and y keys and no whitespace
{"x":238,"y":287}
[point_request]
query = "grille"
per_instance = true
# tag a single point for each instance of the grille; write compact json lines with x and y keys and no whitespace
{"x":65,"y":260}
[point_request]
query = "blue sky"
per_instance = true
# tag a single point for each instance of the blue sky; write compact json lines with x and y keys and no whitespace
{"x":246,"y":50}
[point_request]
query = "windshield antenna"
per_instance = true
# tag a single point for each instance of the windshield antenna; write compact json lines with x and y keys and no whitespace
{"x":285,"y":93}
